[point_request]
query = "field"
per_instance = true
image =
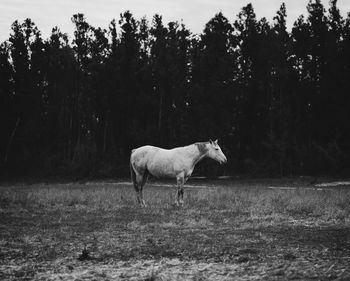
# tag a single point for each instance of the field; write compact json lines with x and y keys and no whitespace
{"x":227,"y":230}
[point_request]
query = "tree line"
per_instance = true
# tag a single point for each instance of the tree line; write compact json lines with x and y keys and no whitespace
{"x":278,"y":100}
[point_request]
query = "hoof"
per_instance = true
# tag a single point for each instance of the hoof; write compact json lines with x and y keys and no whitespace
{"x":178,"y":204}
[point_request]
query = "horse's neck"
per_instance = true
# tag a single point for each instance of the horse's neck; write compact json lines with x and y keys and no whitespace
{"x":196,"y":154}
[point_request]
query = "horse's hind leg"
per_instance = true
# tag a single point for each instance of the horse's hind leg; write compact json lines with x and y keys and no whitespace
{"x":139,"y":181}
{"x":140,"y":197}
{"x":142,"y":184}
{"x":180,"y":190}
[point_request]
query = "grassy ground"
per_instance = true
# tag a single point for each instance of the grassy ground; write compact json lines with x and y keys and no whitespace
{"x":227,"y":230}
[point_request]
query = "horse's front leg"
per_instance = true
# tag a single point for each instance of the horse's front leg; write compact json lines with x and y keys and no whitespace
{"x":182,"y":190}
{"x":181,"y":196}
{"x":180,"y":179}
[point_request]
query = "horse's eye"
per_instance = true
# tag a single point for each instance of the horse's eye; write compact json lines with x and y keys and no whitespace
{"x":216,"y":148}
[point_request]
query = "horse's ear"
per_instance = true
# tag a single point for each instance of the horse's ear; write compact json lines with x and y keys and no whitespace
{"x":216,"y":141}
{"x":210,"y":141}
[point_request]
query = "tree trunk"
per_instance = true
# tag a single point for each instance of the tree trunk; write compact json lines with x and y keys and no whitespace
{"x":11,"y":139}
{"x":160,"y":116}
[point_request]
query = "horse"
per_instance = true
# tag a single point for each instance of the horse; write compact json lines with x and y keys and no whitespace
{"x":175,"y":163}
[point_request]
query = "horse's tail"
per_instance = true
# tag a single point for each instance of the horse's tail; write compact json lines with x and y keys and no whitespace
{"x":132,"y":173}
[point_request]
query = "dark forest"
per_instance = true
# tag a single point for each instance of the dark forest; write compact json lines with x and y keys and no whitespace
{"x":277,"y":99}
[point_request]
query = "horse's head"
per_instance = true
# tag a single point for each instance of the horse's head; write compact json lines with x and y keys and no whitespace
{"x":215,"y":152}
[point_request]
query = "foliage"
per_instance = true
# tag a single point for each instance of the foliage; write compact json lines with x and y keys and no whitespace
{"x":277,"y":100}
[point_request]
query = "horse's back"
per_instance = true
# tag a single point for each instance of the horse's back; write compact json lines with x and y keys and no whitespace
{"x":141,"y":155}
{"x":158,"y":161}
{"x":144,"y":150}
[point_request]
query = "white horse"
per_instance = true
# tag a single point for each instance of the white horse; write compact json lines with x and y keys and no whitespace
{"x":176,"y":163}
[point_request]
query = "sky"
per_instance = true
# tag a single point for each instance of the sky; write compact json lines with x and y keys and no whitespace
{"x":194,"y":13}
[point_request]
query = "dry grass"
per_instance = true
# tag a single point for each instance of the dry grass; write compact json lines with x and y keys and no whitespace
{"x":240,"y":230}
{"x":327,"y":204}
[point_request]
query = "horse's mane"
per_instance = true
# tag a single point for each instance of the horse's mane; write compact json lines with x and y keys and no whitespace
{"x":202,"y":146}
